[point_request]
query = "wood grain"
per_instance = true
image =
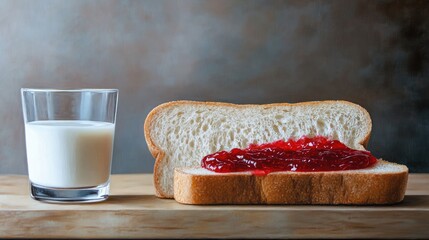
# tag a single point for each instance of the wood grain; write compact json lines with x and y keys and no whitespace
{"x":133,"y":211}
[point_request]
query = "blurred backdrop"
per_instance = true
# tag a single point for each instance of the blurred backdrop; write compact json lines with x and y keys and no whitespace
{"x":374,"y":53}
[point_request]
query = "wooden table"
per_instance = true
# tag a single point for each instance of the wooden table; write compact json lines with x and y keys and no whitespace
{"x":133,"y":211}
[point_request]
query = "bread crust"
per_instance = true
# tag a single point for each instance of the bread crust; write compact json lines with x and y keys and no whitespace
{"x":158,"y":154}
{"x":333,"y":188}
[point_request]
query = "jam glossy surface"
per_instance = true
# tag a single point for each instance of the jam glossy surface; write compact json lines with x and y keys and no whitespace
{"x":302,"y":155}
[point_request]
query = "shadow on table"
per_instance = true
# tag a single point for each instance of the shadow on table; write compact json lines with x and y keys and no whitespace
{"x":410,"y":201}
{"x":137,"y":199}
{"x":415,"y":201}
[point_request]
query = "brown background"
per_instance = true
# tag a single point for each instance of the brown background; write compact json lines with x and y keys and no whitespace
{"x":374,"y":53}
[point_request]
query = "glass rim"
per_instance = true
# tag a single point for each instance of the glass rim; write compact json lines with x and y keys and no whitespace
{"x":101,"y":90}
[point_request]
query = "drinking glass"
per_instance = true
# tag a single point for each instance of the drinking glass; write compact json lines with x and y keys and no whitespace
{"x":69,"y":141}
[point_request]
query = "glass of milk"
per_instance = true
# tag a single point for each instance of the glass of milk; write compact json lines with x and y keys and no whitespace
{"x":69,"y":141}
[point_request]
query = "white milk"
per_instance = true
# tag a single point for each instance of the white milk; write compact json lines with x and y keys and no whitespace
{"x":69,"y":154}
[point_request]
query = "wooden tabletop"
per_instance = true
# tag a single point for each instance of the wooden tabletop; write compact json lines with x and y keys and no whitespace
{"x":132,"y":211}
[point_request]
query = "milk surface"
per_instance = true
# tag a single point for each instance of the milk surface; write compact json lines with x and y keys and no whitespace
{"x":69,"y":154}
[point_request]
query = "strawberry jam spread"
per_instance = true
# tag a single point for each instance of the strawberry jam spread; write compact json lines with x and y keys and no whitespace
{"x":302,"y":155}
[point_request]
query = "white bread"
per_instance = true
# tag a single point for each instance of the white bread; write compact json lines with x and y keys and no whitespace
{"x":382,"y":183}
{"x":179,"y":134}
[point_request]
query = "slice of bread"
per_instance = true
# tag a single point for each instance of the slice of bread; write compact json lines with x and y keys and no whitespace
{"x":383,"y":183}
{"x":179,"y":134}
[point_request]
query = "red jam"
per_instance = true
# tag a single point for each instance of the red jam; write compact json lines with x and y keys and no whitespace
{"x":302,"y":155}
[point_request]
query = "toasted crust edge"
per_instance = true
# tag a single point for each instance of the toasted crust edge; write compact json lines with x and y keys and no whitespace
{"x":158,"y":154}
{"x":333,"y":188}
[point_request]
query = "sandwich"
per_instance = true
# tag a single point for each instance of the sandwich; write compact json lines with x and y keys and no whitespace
{"x":205,"y":154}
